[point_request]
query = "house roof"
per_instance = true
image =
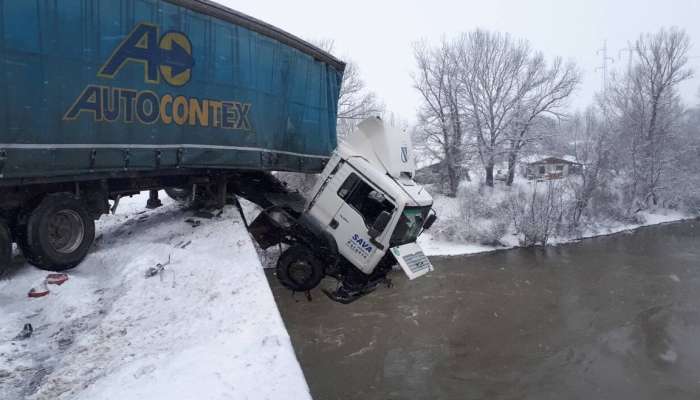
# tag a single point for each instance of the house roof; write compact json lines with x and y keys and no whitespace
{"x":543,"y":159}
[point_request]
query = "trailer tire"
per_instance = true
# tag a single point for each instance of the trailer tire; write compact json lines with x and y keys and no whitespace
{"x":298,"y":269}
{"x":58,"y":233}
{"x":179,"y":194}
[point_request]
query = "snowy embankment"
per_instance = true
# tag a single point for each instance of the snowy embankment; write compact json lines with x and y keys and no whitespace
{"x":448,"y":208}
{"x":206,"y":327}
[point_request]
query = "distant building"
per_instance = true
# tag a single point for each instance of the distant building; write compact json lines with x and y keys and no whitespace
{"x":548,"y":167}
{"x":435,"y":172}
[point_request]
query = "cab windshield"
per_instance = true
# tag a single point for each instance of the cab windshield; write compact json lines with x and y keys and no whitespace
{"x":410,"y":225}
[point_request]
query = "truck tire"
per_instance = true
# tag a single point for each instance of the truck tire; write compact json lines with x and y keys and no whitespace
{"x":58,"y":233}
{"x":298,"y":269}
{"x":5,"y":246}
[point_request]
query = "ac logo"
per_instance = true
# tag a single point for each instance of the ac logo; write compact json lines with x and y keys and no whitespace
{"x":169,"y":56}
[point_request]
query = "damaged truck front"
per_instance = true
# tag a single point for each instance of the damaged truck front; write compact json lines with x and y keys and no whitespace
{"x":361,"y":218}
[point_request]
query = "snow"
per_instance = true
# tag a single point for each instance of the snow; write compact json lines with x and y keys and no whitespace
{"x":569,"y":158}
{"x":539,"y":157}
{"x":448,"y":208}
{"x":435,"y":247}
{"x":207,"y":327}
{"x":649,"y":218}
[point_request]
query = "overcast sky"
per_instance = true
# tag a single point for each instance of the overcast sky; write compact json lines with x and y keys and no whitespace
{"x":378,"y":34}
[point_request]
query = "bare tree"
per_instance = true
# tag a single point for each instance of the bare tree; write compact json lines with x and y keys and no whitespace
{"x":544,"y":95}
{"x":356,"y":102}
{"x":592,"y":146}
{"x":537,"y":214}
{"x":506,"y":88}
{"x":684,"y":182}
{"x":439,"y":119}
{"x":648,"y":108}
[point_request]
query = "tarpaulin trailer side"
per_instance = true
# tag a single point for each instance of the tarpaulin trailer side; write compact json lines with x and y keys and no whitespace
{"x":116,"y":86}
{"x":106,"y":98}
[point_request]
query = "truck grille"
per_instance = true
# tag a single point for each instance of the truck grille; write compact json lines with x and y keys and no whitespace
{"x":417,"y":262}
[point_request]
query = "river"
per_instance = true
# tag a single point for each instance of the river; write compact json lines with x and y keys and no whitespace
{"x":614,"y":317}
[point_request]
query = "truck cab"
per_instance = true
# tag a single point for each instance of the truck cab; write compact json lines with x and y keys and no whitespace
{"x":364,"y":214}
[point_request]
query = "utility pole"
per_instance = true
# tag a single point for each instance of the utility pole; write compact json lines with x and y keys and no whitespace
{"x":604,"y":66}
{"x":630,"y":51}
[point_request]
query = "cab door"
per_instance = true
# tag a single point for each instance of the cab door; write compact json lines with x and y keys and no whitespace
{"x":361,"y":204}
{"x":325,"y":205}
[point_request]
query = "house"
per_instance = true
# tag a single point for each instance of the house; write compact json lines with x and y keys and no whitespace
{"x":539,"y":167}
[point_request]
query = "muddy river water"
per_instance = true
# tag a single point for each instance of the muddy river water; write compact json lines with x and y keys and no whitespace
{"x":609,"y":318}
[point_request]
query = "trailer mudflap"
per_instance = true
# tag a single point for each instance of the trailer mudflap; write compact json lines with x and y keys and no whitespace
{"x":5,"y":246}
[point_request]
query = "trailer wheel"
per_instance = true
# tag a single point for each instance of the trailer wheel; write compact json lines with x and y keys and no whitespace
{"x":58,"y":233}
{"x":5,"y":246}
{"x":298,"y":269}
{"x":179,"y":194}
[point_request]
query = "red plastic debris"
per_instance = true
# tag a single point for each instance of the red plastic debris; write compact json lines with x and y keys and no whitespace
{"x":56,"y":279}
{"x":41,"y":292}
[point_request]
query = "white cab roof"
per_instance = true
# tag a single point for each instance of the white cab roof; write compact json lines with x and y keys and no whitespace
{"x":385,"y":147}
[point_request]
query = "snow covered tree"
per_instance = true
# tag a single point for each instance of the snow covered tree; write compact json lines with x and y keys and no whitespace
{"x":440,"y":122}
{"x":356,"y":102}
{"x":592,"y":147}
{"x":683,"y":185}
{"x":648,"y":110}
{"x":506,"y":89}
{"x":545,"y":95}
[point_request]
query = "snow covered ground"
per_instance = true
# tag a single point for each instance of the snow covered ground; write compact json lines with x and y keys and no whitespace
{"x":207,"y":327}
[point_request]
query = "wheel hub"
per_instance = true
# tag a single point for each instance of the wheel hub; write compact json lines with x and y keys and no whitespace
{"x":66,"y":231}
{"x":300,"y":272}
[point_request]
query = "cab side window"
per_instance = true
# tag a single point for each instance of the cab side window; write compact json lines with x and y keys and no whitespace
{"x":364,"y":199}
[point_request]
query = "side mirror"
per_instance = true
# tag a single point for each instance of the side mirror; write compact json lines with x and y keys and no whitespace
{"x":430,"y":221}
{"x":379,"y":224}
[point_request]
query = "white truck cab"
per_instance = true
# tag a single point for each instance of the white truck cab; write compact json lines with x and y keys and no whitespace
{"x":371,"y":173}
{"x":364,"y":206}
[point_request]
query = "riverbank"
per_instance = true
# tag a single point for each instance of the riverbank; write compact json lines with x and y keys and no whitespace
{"x":433,"y":246}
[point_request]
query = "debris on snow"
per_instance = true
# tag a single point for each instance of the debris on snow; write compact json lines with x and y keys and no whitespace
{"x":157,"y":270}
{"x":193,"y":222}
{"x":26,"y":332}
{"x":40,"y":291}
{"x":56,"y":279}
{"x":111,"y":334}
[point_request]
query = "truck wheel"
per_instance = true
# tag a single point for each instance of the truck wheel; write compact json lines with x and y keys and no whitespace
{"x":5,"y":246}
{"x":58,"y":233}
{"x":298,"y":269}
{"x":179,"y":194}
